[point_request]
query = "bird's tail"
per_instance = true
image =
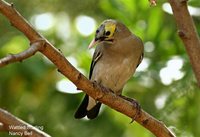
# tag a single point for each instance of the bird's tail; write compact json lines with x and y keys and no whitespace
{"x":89,"y":107}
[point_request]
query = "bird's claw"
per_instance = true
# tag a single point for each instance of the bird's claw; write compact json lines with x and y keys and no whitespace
{"x":136,"y":105}
{"x":102,"y":87}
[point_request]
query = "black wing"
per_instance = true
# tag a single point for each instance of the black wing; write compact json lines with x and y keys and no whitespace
{"x":82,"y":109}
{"x":140,"y":60}
{"x":97,"y":55}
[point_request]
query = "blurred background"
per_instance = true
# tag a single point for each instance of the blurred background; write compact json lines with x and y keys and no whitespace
{"x":164,"y":83}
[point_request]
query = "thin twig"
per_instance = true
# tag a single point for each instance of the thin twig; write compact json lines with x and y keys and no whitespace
{"x":92,"y":89}
{"x":15,"y":125}
{"x":23,"y":55}
{"x":152,"y":2}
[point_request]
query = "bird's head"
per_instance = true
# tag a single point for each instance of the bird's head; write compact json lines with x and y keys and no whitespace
{"x":105,"y":33}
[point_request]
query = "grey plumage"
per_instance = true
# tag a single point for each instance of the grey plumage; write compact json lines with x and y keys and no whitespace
{"x":115,"y":60}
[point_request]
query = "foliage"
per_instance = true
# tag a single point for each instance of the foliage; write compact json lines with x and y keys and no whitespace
{"x":29,"y":89}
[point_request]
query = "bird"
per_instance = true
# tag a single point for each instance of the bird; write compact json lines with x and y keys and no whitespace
{"x":117,"y":54}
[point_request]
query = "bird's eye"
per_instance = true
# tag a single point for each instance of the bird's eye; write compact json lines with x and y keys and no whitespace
{"x":107,"y":33}
{"x":97,"y":31}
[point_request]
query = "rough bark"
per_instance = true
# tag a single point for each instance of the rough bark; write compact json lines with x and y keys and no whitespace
{"x":92,"y":89}
{"x":188,"y":34}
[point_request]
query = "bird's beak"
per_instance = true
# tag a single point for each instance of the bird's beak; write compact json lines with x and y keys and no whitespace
{"x":93,"y":43}
{"x":98,"y":37}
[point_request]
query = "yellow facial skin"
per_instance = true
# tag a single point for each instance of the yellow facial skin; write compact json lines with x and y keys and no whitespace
{"x":110,"y":28}
{"x":105,"y":33}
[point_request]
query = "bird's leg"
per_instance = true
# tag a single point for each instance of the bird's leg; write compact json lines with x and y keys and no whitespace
{"x":104,"y":89}
{"x":135,"y":104}
{"x":101,"y":86}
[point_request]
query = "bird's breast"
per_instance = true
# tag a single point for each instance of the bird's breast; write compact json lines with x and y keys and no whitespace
{"x":113,"y":73}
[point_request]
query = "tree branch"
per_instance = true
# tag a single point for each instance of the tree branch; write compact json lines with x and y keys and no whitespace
{"x":152,"y":2}
{"x":23,"y":55}
{"x":92,"y":89}
{"x":15,"y":125}
{"x":187,"y":33}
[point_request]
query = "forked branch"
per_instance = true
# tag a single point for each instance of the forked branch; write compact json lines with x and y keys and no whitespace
{"x":146,"y":120}
{"x":23,"y":55}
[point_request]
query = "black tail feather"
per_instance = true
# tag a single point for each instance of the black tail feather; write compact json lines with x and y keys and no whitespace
{"x":93,"y":113}
{"x":82,"y":109}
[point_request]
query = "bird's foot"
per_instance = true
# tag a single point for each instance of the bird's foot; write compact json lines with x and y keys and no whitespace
{"x":135,"y":104}
{"x":104,"y":89}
